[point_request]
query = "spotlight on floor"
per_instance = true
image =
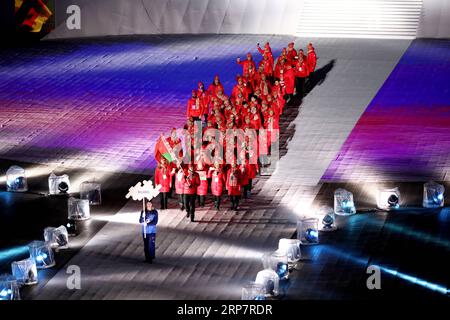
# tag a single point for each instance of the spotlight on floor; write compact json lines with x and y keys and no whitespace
{"x":16,"y":179}
{"x":388,"y":199}
{"x":58,"y":184}
{"x":433,"y":195}
{"x":343,"y":202}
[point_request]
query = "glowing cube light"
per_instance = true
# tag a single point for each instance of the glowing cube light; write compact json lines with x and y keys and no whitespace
{"x":42,"y":254}
{"x":343,"y":202}
{"x":9,"y":288}
{"x":269,"y":280}
{"x":91,"y":191}
{"x":278,"y":262}
{"x":58,"y":184}
{"x":25,"y":272}
{"x":291,"y":247}
{"x":78,"y":209}
{"x":16,"y":179}
{"x":308,"y":231}
{"x":388,"y":199}
{"x":57,"y":237}
{"x":433,"y":195}
{"x":253,"y":291}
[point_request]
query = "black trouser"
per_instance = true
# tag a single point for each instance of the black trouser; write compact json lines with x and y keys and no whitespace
{"x":300,"y":86}
{"x":189,"y":203}
{"x":149,"y":246}
{"x":248,"y":188}
{"x":217,"y":200}
{"x":164,"y":197}
{"x":181,"y":201}
{"x":234,"y":202}
{"x":201,"y":201}
{"x":172,"y":188}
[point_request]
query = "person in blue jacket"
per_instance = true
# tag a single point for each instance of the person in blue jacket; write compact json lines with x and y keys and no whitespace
{"x":149,"y":221}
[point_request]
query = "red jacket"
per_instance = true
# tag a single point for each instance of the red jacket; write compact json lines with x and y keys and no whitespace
{"x":191,"y":183}
{"x":234,"y":183}
{"x":163,"y":176}
{"x":301,"y":69}
{"x":252,"y":170}
{"x":205,"y":99}
{"x":255,"y":121}
{"x":202,"y":189}
{"x":217,"y":181}
{"x":240,"y":89}
{"x":194,"y":108}
{"x":213,"y":89}
{"x":267,"y":67}
{"x":244,"y":175}
{"x":245,"y":64}
{"x":289,"y":81}
{"x":312,"y":60}
{"x":179,"y":181}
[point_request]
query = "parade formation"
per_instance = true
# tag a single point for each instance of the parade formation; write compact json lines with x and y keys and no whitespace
{"x":217,"y":165}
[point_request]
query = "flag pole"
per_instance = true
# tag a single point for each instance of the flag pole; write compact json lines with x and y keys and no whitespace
{"x":145,"y":218}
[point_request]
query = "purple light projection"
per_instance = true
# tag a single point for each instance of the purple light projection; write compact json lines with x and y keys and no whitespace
{"x":404,"y":135}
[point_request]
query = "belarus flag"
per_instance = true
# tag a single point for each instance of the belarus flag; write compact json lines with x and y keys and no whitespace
{"x":163,"y":149}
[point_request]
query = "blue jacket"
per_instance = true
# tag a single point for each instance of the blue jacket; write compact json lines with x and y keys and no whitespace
{"x":152,"y":220}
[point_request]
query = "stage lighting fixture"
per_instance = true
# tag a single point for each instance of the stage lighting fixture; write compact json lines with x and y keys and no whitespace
{"x":25,"y":272}
{"x":327,"y":218}
{"x":16,"y":180}
{"x":388,"y":199}
{"x":91,"y":191}
{"x":433,"y":195}
{"x":9,"y":288}
{"x":269,"y":280}
{"x":58,"y":184}
{"x":42,"y":254}
{"x":253,"y":291}
{"x":278,"y":262}
{"x":78,"y":209}
{"x":291,"y":247}
{"x":308,"y":231}
{"x":343,"y":202}
{"x":57,"y":237}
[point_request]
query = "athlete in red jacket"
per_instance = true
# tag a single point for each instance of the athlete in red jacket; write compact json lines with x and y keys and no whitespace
{"x":194,"y":108}
{"x":312,"y":61}
{"x":202,"y":171}
{"x":246,"y":63}
{"x":179,"y":184}
{"x":289,"y":81}
{"x":312,"y":58}
{"x":215,"y":86}
{"x":234,"y":185}
{"x":291,"y":53}
{"x":217,"y":177}
{"x":190,"y":185}
{"x":205,"y":99}
{"x":163,"y":177}
{"x":301,"y":72}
